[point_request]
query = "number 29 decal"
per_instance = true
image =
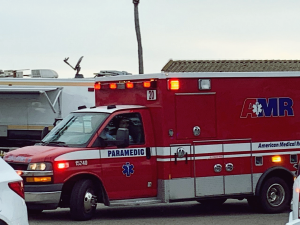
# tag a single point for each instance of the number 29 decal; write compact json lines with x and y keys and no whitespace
{"x":151,"y":94}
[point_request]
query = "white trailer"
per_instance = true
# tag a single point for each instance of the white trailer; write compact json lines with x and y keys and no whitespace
{"x":27,"y":105}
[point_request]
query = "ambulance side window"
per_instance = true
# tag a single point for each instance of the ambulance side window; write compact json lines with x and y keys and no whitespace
{"x":131,"y":121}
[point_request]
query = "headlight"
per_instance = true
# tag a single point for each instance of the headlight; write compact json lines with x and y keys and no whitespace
{"x":43,"y":166}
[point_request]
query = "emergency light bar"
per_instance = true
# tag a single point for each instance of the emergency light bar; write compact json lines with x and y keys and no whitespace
{"x":126,"y":85}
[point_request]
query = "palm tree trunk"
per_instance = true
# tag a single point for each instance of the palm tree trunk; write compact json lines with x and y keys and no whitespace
{"x":138,"y":36}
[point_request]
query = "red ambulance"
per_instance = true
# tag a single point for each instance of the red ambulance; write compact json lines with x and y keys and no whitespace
{"x":170,"y":137}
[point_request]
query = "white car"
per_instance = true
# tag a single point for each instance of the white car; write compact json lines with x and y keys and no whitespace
{"x":294,"y":217}
{"x":13,"y":210}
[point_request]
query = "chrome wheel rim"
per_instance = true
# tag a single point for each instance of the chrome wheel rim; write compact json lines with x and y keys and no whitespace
{"x":275,"y":195}
{"x":90,"y":200}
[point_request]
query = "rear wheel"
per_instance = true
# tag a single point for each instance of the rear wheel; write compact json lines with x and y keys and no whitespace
{"x":275,"y":195}
{"x":254,"y":203}
{"x":83,"y":200}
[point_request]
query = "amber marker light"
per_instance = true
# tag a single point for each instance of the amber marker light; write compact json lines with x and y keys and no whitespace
{"x":129,"y":85}
{"x":276,"y":158}
{"x":38,"y":179}
{"x":97,"y":86}
{"x":147,"y":84}
{"x":173,"y":84}
{"x":113,"y":86}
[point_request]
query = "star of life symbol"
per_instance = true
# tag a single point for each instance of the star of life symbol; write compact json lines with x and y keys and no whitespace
{"x":128,"y":169}
{"x":257,"y":108}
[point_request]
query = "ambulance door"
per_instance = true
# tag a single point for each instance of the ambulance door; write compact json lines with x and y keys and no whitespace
{"x":223,"y":167}
{"x":209,"y":168}
{"x":237,"y":167}
{"x":181,"y":182}
{"x":195,"y":115}
{"x":130,"y":172}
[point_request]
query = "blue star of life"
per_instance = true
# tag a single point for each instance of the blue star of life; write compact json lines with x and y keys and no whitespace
{"x":128,"y":169}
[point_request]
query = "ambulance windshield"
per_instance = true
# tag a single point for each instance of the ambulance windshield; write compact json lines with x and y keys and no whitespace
{"x":75,"y":130}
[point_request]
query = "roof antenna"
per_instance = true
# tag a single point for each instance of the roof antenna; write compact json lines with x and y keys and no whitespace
{"x":77,"y":67}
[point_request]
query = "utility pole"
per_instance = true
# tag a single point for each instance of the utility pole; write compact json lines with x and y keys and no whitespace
{"x":138,"y":36}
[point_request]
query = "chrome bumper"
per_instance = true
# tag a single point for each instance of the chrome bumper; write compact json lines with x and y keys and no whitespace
{"x":43,"y":197}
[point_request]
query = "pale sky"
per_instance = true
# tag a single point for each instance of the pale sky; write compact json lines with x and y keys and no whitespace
{"x":40,"y":34}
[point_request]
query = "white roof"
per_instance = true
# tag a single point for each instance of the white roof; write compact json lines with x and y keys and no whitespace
{"x":15,"y":90}
{"x":104,"y":109}
{"x":166,"y":75}
{"x":7,"y":172}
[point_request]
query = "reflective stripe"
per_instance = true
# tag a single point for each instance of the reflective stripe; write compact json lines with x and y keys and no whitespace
{"x":204,"y":151}
{"x":85,"y":154}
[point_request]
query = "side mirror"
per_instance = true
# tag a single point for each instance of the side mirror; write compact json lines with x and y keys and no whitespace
{"x":122,"y":138}
{"x":45,"y":131}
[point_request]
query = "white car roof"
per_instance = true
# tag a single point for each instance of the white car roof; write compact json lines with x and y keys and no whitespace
{"x":109,"y":109}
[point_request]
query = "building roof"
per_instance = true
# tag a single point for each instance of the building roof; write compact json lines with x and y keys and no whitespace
{"x":231,"y":65}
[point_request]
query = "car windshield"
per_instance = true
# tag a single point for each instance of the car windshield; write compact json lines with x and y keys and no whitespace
{"x":75,"y":130}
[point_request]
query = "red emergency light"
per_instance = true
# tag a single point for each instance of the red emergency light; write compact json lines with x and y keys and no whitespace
{"x":173,"y":84}
{"x":63,"y":165}
{"x":113,"y":86}
{"x":97,"y":86}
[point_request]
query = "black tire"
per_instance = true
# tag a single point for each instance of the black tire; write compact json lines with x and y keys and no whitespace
{"x":2,"y":222}
{"x":275,"y":195}
{"x":83,"y":200}
{"x":34,"y":211}
{"x":212,"y":202}
{"x":254,"y":203}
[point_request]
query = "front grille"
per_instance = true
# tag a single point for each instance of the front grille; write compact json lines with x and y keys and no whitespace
{"x":18,"y":166}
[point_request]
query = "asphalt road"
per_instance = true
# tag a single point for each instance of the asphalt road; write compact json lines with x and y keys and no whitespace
{"x":232,"y":212}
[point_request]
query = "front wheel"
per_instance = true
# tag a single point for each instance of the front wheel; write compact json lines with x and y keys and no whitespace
{"x":83,"y":201}
{"x":275,"y":195}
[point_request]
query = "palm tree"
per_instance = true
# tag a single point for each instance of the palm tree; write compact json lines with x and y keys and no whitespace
{"x":138,"y":35}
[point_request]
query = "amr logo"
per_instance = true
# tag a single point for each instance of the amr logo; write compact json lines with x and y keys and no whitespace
{"x":267,"y":107}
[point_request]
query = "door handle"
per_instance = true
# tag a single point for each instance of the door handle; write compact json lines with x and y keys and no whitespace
{"x":148,"y":153}
{"x":218,"y":168}
{"x":229,"y":167}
